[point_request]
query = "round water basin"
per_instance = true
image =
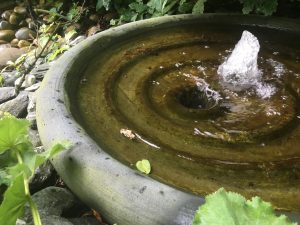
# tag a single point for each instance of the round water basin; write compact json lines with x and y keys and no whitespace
{"x":157,"y":80}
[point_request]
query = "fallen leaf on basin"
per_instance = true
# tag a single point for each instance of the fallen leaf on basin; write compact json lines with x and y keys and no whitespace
{"x":144,"y":166}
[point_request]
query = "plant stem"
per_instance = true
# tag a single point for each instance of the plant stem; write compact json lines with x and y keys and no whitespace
{"x":53,"y":13}
{"x":33,"y":207}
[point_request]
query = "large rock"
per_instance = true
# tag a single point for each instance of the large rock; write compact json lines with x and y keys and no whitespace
{"x":7,"y":35}
{"x":17,"y":106}
{"x":7,"y":93}
{"x":52,"y":202}
{"x":9,"y":54}
{"x":25,"y":34}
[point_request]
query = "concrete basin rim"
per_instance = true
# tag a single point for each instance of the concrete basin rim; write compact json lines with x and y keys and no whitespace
{"x":87,"y":158}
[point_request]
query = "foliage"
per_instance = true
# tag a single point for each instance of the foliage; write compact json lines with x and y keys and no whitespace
{"x":144,"y":166}
{"x":266,"y":7}
{"x":132,"y":10}
{"x":24,"y":161}
{"x":231,"y":208}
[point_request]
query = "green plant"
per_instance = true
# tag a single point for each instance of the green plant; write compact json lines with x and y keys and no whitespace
{"x":21,"y":162}
{"x":132,"y":10}
{"x":266,"y":7}
{"x":231,"y":208}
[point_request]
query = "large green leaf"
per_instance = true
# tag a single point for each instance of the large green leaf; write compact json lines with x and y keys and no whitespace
{"x":229,"y":208}
{"x":13,"y":134}
{"x":13,"y":204}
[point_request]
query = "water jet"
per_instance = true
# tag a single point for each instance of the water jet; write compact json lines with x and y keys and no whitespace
{"x":159,"y":79}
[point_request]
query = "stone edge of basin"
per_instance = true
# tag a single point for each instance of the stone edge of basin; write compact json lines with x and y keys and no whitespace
{"x":121,"y":194}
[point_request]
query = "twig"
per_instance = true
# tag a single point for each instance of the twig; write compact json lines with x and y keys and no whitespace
{"x":30,"y":67}
{"x":32,"y":13}
{"x":51,"y":13}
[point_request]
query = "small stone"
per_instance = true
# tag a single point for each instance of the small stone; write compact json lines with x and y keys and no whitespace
{"x":28,"y":81}
{"x":9,"y":78}
{"x":93,"y":30}
{"x":77,"y":40}
{"x":17,"y":107}
{"x":6,"y":94}
{"x":25,"y":34}
{"x":94,"y":18}
{"x":32,"y":25}
{"x":31,"y":109}
{"x":33,"y":87}
{"x":23,"y":43}
{"x":7,"y":35}
{"x":14,"y":42}
{"x":20,"y":10}
{"x":9,"y":54}
{"x":6,"y":14}
{"x":23,"y":23}
{"x":34,"y":138}
{"x":4,"y":25}
{"x":15,"y":19}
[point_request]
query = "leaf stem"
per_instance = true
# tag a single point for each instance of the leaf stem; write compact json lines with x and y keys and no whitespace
{"x":33,"y":207}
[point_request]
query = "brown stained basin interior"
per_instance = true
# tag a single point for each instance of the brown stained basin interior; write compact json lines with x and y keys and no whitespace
{"x":198,"y":139}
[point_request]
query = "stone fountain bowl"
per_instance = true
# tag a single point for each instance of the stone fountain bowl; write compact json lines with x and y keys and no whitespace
{"x":121,"y":194}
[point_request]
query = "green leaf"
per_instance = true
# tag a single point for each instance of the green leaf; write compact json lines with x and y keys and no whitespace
{"x":4,"y":178}
{"x":144,"y":166}
{"x":231,"y":208}
{"x":34,"y":160}
{"x":199,"y":7}
{"x":13,"y":134}
{"x":103,"y":3}
{"x":13,"y":203}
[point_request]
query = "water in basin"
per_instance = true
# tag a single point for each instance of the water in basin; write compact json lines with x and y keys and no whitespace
{"x":199,"y":130}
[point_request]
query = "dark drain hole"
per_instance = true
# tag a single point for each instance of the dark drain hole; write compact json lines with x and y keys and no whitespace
{"x":193,"y":98}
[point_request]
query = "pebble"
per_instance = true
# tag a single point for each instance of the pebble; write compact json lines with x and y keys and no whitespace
{"x":9,"y":54}
{"x":23,"y":43}
{"x":4,"y":25}
{"x":20,"y":10}
{"x":14,"y":42}
{"x":15,"y":19}
{"x":31,"y":108}
{"x":7,"y":35}
{"x":33,"y":87}
{"x":6,"y":94}
{"x":6,"y":14}
{"x":29,"y":81}
{"x":17,"y":106}
{"x":9,"y":78}
{"x":77,"y":40}
{"x":25,"y":34}
{"x":93,"y":30}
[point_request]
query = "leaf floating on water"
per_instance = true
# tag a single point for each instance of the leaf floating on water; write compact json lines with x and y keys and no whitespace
{"x":144,"y":166}
{"x":127,"y":133}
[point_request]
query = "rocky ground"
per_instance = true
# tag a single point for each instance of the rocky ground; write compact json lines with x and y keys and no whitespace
{"x":19,"y":40}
